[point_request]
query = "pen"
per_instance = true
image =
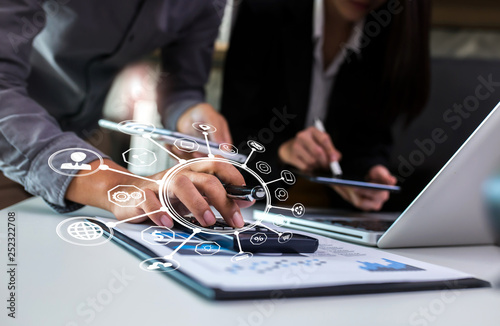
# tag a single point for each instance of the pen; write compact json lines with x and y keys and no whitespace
{"x":245,"y":193}
{"x":334,"y":165}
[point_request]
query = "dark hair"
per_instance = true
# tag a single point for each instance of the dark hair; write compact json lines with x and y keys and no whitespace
{"x":407,"y":59}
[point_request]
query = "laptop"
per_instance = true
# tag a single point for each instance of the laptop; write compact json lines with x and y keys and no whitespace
{"x":448,"y":211}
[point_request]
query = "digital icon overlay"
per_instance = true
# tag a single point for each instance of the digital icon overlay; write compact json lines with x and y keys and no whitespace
{"x":159,"y":264}
{"x":263,"y":167}
{"x":88,"y":232}
{"x":258,"y":238}
{"x":157,"y":235}
{"x":256,"y":146}
{"x":126,"y":196}
{"x":187,"y":145}
{"x":281,"y":194}
{"x":285,"y":237}
{"x":279,"y":220}
{"x":204,"y":127}
{"x":288,"y":177}
{"x":207,"y":248}
{"x":71,"y":162}
{"x":298,"y":210}
{"x":83,"y":231}
{"x":132,"y":127}
{"x":228,"y":148}
{"x":139,"y":157}
{"x":77,"y":158}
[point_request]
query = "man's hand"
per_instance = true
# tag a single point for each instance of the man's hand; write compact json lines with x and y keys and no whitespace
{"x":192,"y":189}
{"x":367,"y":199}
{"x":205,"y":113}
{"x":310,"y":149}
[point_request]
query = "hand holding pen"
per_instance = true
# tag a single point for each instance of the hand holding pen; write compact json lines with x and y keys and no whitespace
{"x":311,"y":149}
{"x":334,"y":164}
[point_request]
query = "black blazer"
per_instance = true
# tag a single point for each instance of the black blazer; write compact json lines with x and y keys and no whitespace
{"x":267,"y":86}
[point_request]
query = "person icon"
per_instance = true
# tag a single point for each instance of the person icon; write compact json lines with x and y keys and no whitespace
{"x":77,"y":157}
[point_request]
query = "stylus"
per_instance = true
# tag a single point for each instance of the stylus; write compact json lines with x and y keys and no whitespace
{"x":334,"y":165}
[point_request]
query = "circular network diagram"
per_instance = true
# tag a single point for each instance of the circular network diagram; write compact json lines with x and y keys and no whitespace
{"x":88,"y":231}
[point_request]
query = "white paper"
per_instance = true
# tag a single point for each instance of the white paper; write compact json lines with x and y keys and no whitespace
{"x":334,"y":263}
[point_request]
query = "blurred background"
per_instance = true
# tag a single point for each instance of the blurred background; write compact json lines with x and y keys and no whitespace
{"x":465,"y":44}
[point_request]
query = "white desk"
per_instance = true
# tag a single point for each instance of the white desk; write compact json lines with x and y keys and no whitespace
{"x":56,"y":279}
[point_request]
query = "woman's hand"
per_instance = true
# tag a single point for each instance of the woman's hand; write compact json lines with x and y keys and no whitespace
{"x":310,"y":149}
{"x":191,"y":190}
{"x":367,"y":199}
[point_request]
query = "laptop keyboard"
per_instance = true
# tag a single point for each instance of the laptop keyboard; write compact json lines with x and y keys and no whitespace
{"x":364,"y":224}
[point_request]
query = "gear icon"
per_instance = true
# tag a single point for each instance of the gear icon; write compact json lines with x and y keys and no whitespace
{"x":121,"y":196}
{"x":136,"y":195}
{"x":126,"y":196}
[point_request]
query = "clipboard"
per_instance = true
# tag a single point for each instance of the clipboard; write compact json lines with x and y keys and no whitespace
{"x":217,"y":278}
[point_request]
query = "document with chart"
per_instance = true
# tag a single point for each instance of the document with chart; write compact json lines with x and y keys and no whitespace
{"x":218,"y":271}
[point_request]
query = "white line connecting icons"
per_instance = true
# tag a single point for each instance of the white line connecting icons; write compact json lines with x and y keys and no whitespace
{"x":88,"y":231}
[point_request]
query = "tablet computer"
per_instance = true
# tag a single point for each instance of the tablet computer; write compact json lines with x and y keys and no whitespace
{"x":330,"y":180}
{"x":182,"y":141}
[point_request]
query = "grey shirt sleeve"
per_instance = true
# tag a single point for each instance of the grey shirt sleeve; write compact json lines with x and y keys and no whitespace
{"x":29,"y":135}
{"x":186,"y":64}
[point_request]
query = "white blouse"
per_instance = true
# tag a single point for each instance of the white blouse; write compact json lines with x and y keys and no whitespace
{"x":322,"y":81}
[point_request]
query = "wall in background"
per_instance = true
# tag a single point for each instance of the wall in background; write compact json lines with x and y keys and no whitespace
{"x":466,"y":13}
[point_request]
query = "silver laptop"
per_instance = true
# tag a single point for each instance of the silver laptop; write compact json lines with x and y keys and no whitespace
{"x":448,"y":211}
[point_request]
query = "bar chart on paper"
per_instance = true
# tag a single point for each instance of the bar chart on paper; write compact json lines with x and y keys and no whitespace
{"x":390,"y":266}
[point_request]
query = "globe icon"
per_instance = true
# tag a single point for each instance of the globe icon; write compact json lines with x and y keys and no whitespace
{"x":83,"y":230}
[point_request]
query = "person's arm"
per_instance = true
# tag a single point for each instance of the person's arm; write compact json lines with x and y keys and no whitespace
{"x":186,"y":64}
{"x":191,"y":190}
{"x":367,"y":199}
{"x":28,"y":134}
{"x":312,"y":149}
{"x":309,"y":150}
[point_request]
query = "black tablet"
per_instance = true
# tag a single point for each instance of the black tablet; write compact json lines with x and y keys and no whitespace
{"x":330,"y":180}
